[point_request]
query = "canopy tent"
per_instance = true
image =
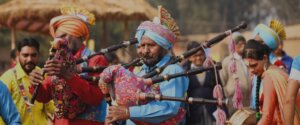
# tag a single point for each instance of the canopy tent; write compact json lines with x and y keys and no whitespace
{"x":34,"y":15}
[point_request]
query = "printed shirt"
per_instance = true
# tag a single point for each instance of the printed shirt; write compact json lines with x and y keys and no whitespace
{"x":39,"y":110}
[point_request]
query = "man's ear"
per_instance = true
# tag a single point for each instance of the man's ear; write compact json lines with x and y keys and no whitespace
{"x":266,"y":58}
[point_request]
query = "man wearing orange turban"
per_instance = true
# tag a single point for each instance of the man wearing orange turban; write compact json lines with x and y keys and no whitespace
{"x":77,"y":101}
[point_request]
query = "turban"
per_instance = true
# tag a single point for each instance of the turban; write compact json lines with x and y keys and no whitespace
{"x":269,"y":36}
{"x":296,"y":63}
{"x":69,"y":24}
{"x":158,"y":33}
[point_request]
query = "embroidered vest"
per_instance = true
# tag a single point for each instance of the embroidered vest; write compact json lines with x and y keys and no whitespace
{"x":68,"y":105}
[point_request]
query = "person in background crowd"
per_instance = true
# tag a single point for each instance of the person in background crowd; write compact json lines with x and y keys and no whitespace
{"x":13,"y":58}
{"x":228,"y":77}
{"x":200,"y":86}
{"x":17,"y":81}
{"x":279,"y":55}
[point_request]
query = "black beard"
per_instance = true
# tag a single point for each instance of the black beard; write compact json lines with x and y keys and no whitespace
{"x":28,"y":70}
{"x":151,"y":61}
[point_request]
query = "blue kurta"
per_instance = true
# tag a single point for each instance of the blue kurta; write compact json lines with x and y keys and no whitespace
{"x":159,"y":111}
{"x":8,"y":110}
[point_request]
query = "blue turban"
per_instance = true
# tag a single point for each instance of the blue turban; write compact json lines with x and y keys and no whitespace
{"x":269,"y":36}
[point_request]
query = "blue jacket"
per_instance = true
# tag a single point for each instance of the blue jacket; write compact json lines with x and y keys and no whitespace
{"x":8,"y":110}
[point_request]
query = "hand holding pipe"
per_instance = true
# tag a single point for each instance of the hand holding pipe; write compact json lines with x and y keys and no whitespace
{"x":35,"y":92}
{"x":188,"y":53}
{"x":108,"y":49}
{"x":57,"y":44}
{"x":190,"y":100}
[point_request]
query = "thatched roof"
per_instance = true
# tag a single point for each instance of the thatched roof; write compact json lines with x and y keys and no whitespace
{"x":34,"y":15}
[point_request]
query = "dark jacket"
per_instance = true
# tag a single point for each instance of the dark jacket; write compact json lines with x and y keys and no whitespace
{"x":197,"y":90}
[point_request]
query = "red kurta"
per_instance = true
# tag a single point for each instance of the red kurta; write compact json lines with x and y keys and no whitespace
{"x":87,"y":93}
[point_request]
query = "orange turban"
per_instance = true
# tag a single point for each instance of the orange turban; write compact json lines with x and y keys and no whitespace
{"x":69,"y":24}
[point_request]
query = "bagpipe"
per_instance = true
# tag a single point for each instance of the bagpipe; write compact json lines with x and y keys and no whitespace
{"x":130,"y":90}
{"x":127,"y":85}
{"x":122,"y":76}
{"x":126,"y":88}
{"x":186,"y":54}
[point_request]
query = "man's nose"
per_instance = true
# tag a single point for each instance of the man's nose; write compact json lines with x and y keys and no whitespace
{"x":146,"y":49}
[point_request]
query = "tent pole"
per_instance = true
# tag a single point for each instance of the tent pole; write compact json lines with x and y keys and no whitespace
{"x":104,"y":34}
{"x":13,"y":38}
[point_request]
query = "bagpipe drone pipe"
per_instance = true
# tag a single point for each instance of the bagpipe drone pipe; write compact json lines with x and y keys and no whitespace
{"x":108,"y":49}
{"x":190,"y":100}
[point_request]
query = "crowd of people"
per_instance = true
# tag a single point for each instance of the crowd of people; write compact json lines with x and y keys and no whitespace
{"x":258,"y":76}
